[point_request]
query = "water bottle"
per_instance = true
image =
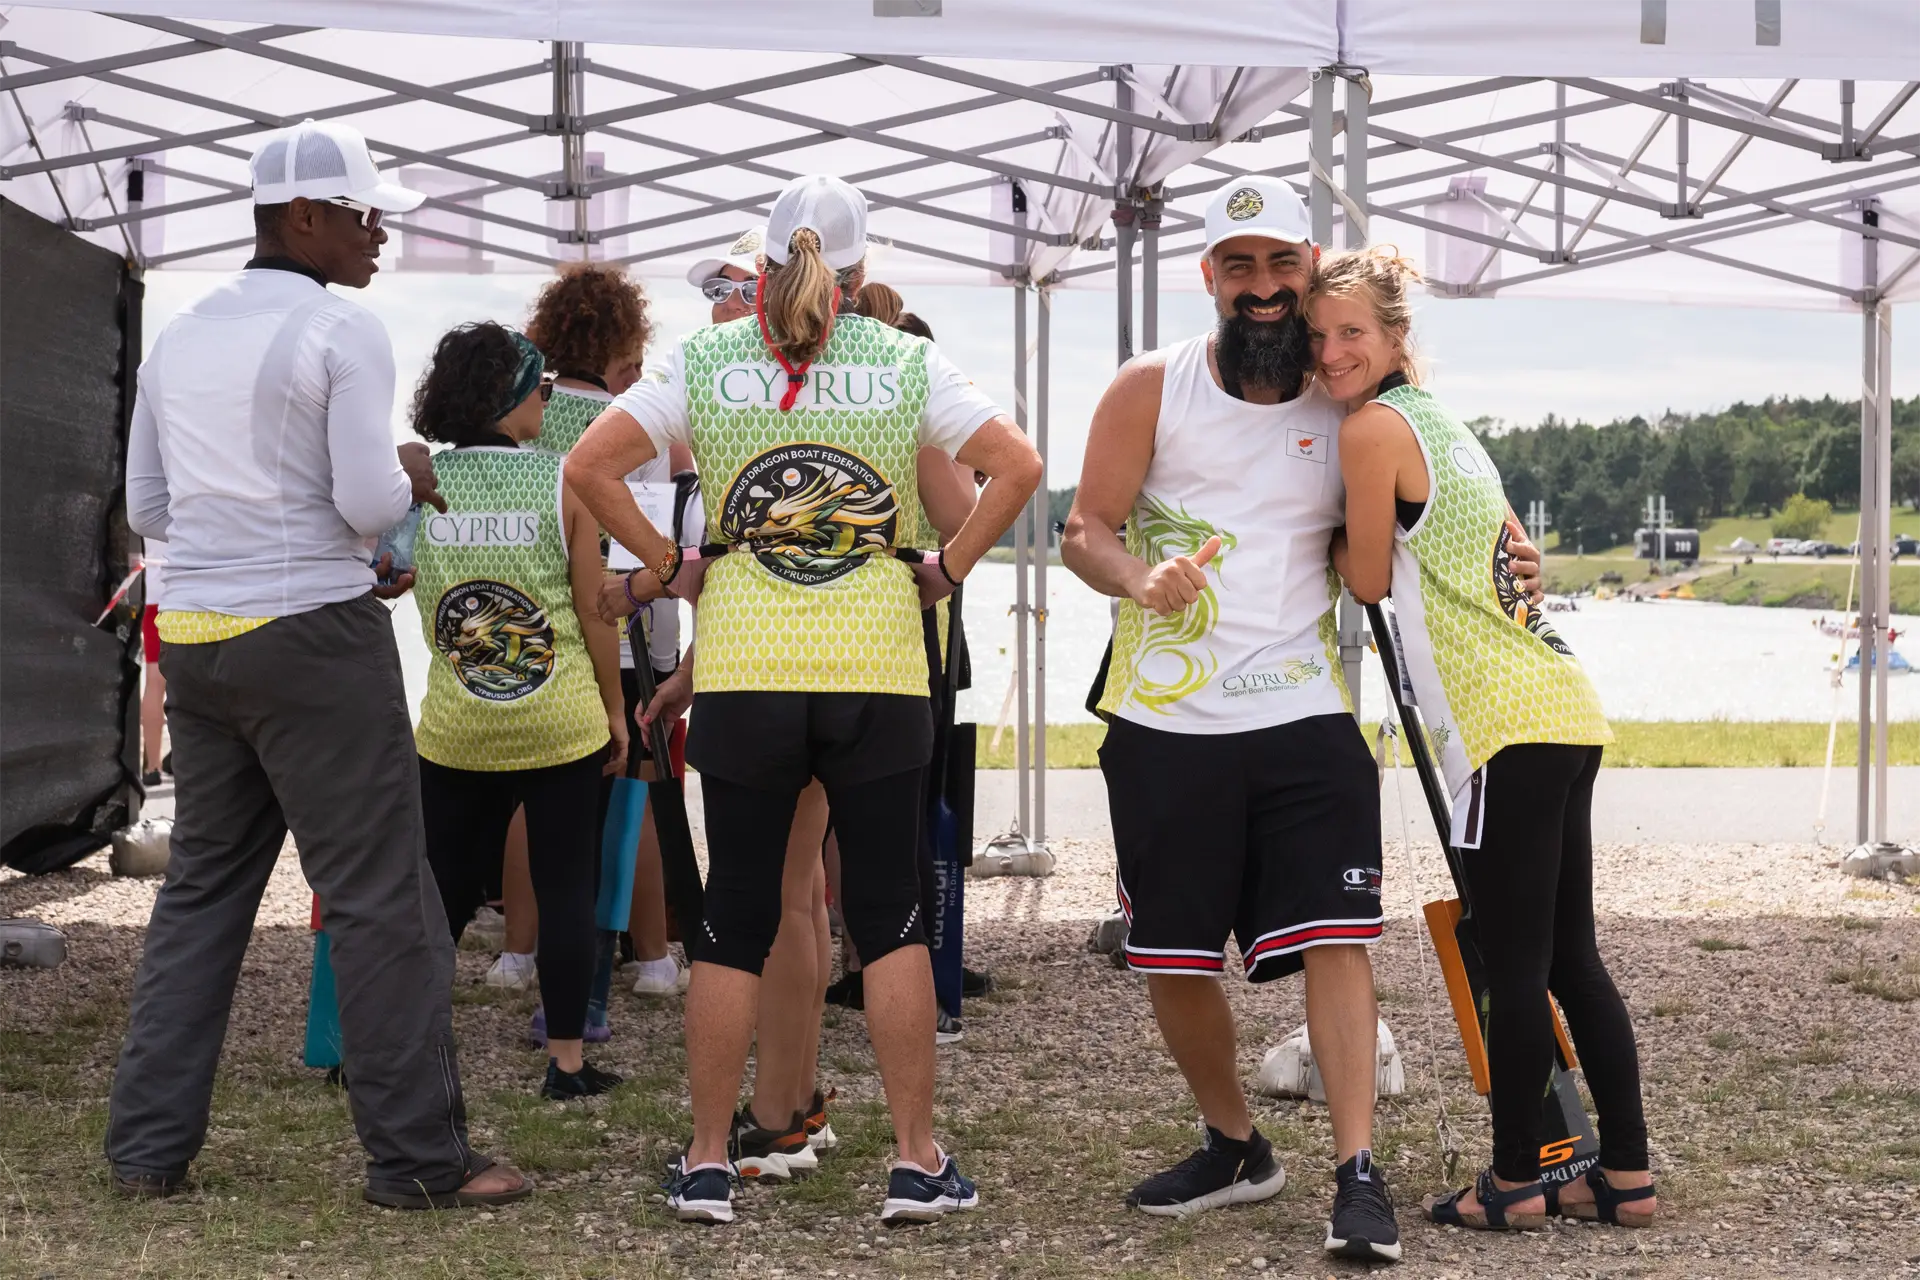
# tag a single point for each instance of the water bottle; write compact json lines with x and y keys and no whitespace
{"x":30,"y":944}
{"x":398,"y":541}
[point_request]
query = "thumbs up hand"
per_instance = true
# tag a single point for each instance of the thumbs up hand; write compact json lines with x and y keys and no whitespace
{"x":1177,"y":582}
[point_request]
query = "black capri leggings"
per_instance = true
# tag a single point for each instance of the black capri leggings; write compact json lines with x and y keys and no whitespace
{"x":467,"y":812}
{"x":1530,"y":884}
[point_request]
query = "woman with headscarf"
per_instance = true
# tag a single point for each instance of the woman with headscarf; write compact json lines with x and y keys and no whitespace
{"x":523,"y":704}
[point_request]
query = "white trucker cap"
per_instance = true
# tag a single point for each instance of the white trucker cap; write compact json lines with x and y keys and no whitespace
{"x":829,"y":207}
{"x":1257,"y":206}
{"x":743,"y":253}
{"x":324,"y":162}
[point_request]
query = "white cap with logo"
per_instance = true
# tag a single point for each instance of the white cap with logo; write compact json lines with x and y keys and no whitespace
{"x":1257,"y":206}
{"x":743,"y":253}
{"x":324,"y":161}
{"x":831,"y":209}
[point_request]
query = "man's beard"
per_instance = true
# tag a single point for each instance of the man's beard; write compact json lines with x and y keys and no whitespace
{"x":1275,"y":355}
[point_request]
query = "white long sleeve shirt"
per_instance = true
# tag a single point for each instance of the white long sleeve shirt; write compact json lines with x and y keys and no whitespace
{"x":261,"y":447}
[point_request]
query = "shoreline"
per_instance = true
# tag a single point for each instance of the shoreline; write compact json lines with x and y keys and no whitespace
{"x":1638,"y":744}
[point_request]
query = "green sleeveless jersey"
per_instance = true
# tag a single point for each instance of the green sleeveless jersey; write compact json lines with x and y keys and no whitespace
{"x":810,"y":499}
{"x":567,"y":417}
{"x":512,"y":685}
{"x":1486,"y":668}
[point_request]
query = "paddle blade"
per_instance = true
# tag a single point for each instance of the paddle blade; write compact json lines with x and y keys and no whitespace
{"x":619,"y":846}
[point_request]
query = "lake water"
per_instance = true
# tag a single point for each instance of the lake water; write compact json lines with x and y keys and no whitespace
{"x":1661,"y":660}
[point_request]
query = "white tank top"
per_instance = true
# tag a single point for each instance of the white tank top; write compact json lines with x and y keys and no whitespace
{"x":1259,"y":647}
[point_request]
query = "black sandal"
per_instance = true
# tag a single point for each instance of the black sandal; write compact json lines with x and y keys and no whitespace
{"x":1493,"y":1215}
{"x":1606,"y":1204}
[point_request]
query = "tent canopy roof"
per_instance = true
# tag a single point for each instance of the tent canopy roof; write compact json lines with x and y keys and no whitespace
{"x":1689,"y":147}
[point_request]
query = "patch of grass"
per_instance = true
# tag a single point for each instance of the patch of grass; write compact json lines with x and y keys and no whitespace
{"x":1900,"y":985}
{"x":1638,"y":744}
{"x":1724,"y":1041}
{"x":1804,"y":584}
{"x":1711,"y":945}
{"x":1859,"y":924}
{"x":1825,"y":1047}
{"x":1672,"y":1007}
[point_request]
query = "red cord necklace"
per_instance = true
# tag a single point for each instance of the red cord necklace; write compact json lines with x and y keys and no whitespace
{"x":796,"y":375}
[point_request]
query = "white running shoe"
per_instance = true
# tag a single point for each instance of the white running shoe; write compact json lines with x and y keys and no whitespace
{"x":514,"y":971}
{"x":662,"y":977}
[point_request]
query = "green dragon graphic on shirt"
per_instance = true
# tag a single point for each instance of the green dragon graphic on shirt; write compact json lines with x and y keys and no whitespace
{"x":1156,"y":533}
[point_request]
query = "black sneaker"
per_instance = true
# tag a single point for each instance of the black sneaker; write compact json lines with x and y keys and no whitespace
{"x":587,"y":1082}
{"x":916,"y":1196}
{"x":1221,"y":1173}
{"x":1363,"y":1224}
{"x":151,"y":778}
{"x":947,"y":1029}
{"x":849,"y":992}
{"x":704,"y":1195}
{"x":974,"y":983}
{"x":771,"y":1155}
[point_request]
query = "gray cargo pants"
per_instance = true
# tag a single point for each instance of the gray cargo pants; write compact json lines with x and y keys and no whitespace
{"x":300,"y":724}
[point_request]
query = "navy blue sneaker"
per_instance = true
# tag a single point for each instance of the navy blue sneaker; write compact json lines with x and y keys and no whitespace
{"x":702,"y":1195}
{"x":916,"y":1196}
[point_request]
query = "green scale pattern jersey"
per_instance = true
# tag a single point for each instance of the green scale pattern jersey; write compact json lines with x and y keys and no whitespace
{"x":1487,"y":669}
{"x":566,"y":419}
{"x":512,"y":685}
{"x":820,"y":491}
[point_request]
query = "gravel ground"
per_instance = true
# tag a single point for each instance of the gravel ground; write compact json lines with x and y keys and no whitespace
{"x":1773,"y":999}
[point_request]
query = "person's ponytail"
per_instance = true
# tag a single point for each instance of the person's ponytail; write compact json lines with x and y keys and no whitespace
{"x":798,"y":297}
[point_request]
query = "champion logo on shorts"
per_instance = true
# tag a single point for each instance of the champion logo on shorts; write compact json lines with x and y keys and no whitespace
{"x":1361,"y":880}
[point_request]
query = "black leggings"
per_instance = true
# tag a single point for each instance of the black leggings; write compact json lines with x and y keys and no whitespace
{"x":878,"y":825}
{"x":467,"y":812}
{"x":1530,"y":884}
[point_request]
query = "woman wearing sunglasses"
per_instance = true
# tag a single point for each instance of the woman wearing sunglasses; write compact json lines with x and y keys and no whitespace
{"x":523,"y":704}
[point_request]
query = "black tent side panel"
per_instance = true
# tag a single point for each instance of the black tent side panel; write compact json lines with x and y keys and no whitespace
{"x":69,"y":693}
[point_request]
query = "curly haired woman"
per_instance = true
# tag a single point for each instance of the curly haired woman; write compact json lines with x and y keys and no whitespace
{"x":506,"y":581}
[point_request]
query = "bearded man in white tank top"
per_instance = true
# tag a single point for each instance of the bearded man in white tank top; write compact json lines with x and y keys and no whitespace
{"x":1244,"y":799}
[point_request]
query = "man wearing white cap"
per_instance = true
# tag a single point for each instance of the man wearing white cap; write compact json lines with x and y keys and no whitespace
{"x":812,"y":662}
{"x":1244,"y":799}
{"x":262,"y":451}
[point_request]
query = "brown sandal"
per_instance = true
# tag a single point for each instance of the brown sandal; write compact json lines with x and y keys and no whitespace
{"x":1610,"y":1205}
{"x":1493,"y":1215}
{"x":458,"y":1198}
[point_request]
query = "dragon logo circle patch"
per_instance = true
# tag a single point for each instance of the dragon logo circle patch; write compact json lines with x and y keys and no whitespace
{"x":499,"y":642}
{"x":1245,"y":203}
{"x":809,"y":513}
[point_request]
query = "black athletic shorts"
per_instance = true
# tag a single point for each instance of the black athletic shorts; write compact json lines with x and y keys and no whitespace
{"x":1272,"y":835}
{"x":780,"y":741}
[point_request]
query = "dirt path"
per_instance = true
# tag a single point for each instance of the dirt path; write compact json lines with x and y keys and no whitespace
{"x":1774,"y":1001}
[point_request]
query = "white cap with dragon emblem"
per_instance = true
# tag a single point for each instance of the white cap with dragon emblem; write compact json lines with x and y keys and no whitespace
{"x":743,"y":253}
{"x":1257,"y":206}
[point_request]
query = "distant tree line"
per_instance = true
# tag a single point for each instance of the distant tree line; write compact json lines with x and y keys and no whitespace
{"x":1745,"y":460}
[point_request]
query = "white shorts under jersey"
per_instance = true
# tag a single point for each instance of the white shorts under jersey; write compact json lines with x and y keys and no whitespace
{"x":1258,"y":648}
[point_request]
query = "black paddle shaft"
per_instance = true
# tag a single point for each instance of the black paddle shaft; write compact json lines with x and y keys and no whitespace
{"x":1413,"y":732}
{"x":679,"y":866}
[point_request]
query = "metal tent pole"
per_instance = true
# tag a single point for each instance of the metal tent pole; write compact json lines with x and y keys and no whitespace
{"x":1881,"y":319}
{"x":569,"y":105}
{"x":1149,"y":274}
{"x":1320,"y":215}
{"x":1022,"y":558}
{"x":1869,"y":523}
{"x":1044,"y":551}
{"x":1351,"y":619}
{"x":1124,"y":216}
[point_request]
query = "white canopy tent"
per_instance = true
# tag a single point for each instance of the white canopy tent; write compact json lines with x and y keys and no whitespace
{"x":1748,"y":152}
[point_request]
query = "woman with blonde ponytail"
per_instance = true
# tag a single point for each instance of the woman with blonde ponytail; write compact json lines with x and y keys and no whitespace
{"x":1518,"y":729}
{"x":811,"y":658}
